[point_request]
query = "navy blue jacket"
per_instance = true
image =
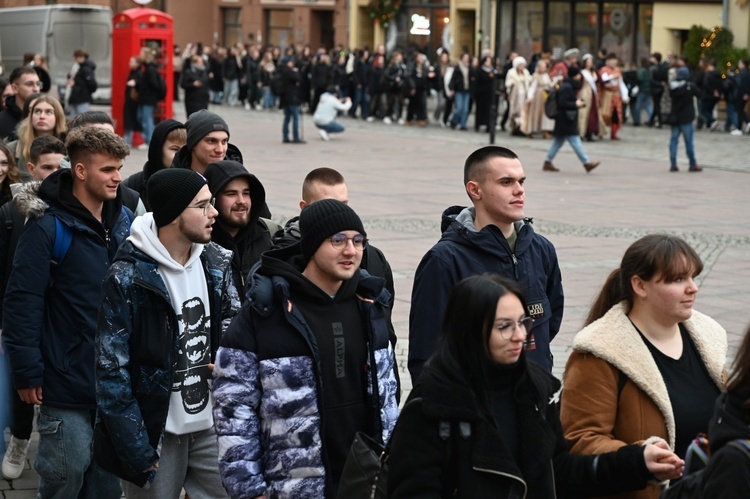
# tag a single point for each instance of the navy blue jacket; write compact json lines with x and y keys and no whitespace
{"x":462,"y":252}
{"x":137,"y":352}
{"x":49,"y":319}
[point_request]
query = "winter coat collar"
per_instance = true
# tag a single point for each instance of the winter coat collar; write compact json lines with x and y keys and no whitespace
{"x":458,"y":226}
{"x":614,"y":339}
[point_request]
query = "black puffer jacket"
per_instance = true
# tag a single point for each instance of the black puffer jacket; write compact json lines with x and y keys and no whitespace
{"x":479,"y":465}
{"x":84,"y":83}
{"x":148,"y":85}
{"x":566,"y":123}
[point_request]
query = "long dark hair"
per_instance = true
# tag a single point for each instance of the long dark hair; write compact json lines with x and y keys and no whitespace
{"x":739,"y":376}
{"x":463,"y":344}
{"x":656,"y":255}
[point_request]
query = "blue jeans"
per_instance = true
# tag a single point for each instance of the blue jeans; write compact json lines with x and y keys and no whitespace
{"x":76,"y":109}
{"x":732,"y":117}
{"x":687,"y":131}
{"x":64,"y":462}
{"x":231,"y":91}
{"x":643,"y":100}
{"x":269,"y":100}
{"x":460,"y":109}
{"x":291,"y":113}
{"x":575,"y":143}
{"x":361,"y":99}
{"x":332,"y":127}
{"x":146,"y":119}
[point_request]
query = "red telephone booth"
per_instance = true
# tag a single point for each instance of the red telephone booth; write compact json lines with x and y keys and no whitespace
{"x":133,"y":29}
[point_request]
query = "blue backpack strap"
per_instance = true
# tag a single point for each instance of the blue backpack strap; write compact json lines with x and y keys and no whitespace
{"x":63,"y":237}
{"x":128,"y":216}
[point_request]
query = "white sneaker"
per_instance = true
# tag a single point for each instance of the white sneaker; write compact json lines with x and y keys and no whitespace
{"x":247,"y":106}
{"x":324,"y":135}
{"x":142,"y":147}
{"x":15,"y":458}
{"x":387,"y":120}
{"x":747,"y":127}
{"x":370,"y":119}
{"x":401,"y":121}
{"x":735,"y":133}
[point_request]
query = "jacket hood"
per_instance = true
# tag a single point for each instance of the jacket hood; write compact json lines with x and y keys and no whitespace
{"x":729,"y":422}
{"x":57,"y":191}
{"x":219,"y":174}
{"x":145,"y":237}
{"x":457,"y":225}
{"x":614,"y":340}
{"x":89,"y":64}
{"x":183,"y":158}
{"x":29,"y":204}
{"x":161,"y":131}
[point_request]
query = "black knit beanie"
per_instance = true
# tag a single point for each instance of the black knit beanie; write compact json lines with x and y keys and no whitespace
{"x":170,"y":191}
{"x":201,"y":123}
{"x":321,"y":220}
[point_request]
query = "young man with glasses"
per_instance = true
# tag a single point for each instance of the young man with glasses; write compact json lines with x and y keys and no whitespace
{"x":306,"y":364}
{"x":166,"y":301}
{"x":24,"y":81}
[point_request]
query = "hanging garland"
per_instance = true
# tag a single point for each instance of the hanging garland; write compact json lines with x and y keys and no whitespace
{"x":383,"y":11}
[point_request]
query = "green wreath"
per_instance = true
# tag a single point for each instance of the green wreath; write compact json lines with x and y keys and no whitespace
{"x":383,"y":11}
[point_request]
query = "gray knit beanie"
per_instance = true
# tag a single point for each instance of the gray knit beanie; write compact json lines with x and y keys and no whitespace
{"x":201,"y":123}
{"x":322,"y":219}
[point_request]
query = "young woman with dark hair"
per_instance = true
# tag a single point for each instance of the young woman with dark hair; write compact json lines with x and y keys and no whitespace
{"x":483,"y":421}
{"x":647,"y":367}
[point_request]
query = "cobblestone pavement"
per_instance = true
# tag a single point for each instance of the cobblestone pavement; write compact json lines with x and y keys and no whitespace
{"x":401,"y":178}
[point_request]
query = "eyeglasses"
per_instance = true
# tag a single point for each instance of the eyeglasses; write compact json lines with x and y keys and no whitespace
{"x":339,"y":241}
{"x":508,"y":329}
{"x":205,"y":206}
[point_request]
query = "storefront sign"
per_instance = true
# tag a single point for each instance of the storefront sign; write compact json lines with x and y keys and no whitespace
{"x":420,"y":25}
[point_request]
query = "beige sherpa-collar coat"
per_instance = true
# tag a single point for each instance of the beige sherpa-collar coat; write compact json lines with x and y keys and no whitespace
{"x":595,"y":417}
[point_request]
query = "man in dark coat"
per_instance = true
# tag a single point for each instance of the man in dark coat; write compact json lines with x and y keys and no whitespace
{"x":290,"y":100}
{"x":566,"y":123}
{"x":683,"y":92}
{"x":24,"y":81}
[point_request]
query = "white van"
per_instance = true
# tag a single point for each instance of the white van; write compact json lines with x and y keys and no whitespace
{"x":56,"y":31}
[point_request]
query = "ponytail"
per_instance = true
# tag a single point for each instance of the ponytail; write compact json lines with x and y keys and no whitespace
{"x":612,"y":293}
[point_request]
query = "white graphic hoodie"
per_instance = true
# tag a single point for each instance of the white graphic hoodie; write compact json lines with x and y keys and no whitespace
{"x":189,"y":404}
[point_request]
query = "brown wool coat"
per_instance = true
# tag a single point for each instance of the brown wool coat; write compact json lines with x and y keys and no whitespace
{"x":592,"y":419}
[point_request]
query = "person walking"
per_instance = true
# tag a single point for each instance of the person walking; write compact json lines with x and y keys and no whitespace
{"x":81,"y":84}
{"x":566,"y":123}
{"x":166,"y":301}
{"x":305,"y":365}
{"x":482,"y":422}
{"x":51,"y":304}
{"x":290,"y":100}
{"x":646,"y":367}
{"x":683,"y":92}
{"x":196,"y":82}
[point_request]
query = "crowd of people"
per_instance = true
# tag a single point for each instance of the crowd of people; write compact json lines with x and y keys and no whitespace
{"x":209,"y":349}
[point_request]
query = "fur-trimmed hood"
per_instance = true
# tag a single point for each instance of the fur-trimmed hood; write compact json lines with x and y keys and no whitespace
{"x":30,"y":205}
{"x":613,"y":338}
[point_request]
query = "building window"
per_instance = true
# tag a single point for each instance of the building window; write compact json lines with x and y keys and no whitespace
{"x":232,"y":25}
{"x":645,"y":21}
{"x":586,"y":27}
{"x":617,"y":30}
{"x":558,"y":27}
{"x":529,"y":28}
{"x":279,"y":24}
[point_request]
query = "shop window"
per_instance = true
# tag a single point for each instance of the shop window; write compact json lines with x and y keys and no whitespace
{"x":279,"y":24}
{"x":617,"y":30}
{"x":645,"y":21}
{"x":558,"y":27}
{"x":586,"y":24}
{"x":529,"y":28}
{"x":232,"y":25}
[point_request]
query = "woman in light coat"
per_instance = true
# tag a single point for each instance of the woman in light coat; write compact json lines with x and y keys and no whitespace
{"x":517,"y":83}
{"x":590,"y":121}
{"x":535,"y":120}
